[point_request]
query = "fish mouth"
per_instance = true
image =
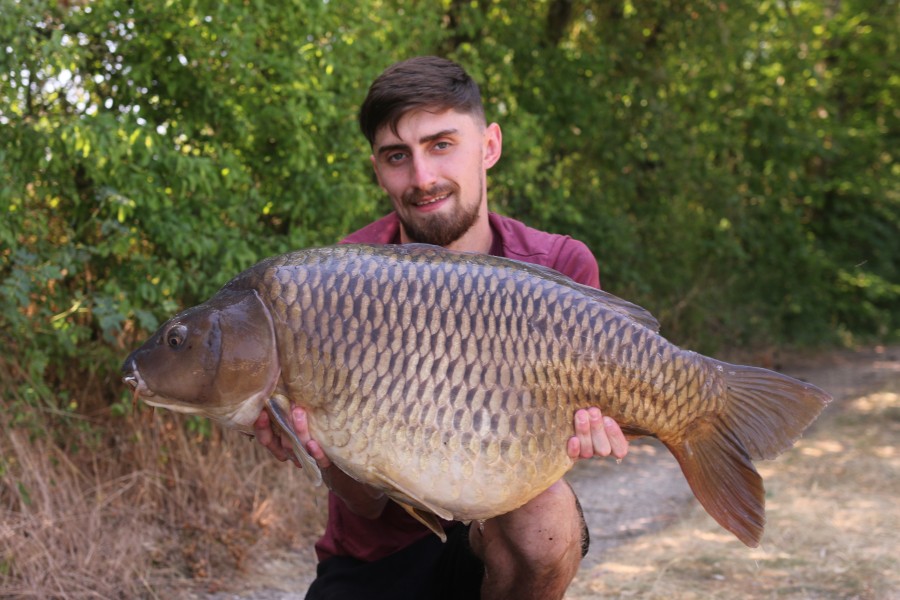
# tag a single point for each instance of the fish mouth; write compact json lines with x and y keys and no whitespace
{"x":141,"y":392}
{"x":131,"y":381}
{"x":134,"y":380}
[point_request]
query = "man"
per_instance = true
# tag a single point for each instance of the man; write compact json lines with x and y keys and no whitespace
{"x":431,"y":149}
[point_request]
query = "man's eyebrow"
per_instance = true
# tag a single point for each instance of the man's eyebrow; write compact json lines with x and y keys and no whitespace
{"x":438,"y":135}
{"x":423,"y":140}
{"x":391,"y":148}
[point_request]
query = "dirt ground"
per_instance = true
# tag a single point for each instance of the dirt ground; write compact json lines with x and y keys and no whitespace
{"x":645,"y":523}
{"x":833,"y":520}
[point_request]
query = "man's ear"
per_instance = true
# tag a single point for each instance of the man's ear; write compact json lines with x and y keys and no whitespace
{"x":493,"y":145}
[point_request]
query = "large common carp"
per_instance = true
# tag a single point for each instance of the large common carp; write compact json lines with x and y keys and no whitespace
{"x":449,"y":380}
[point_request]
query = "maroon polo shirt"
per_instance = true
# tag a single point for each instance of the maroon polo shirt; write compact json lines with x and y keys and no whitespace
{"x":348,"y":534}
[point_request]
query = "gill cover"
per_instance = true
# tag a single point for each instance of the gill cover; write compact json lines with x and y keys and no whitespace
{"x":212,"y":356}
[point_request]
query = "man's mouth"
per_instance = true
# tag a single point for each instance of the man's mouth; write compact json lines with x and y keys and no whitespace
{"x":424,"y":198}
{"x":431,"y":200}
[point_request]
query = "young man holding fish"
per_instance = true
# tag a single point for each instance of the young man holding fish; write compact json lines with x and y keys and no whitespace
{"x":431,"y":149}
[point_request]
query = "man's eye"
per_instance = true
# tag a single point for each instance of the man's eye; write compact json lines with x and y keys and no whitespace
{"x":442,"y":145}
{"x":396,"y":157}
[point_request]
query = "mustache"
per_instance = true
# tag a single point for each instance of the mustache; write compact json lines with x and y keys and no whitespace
{"x":417,"y":195}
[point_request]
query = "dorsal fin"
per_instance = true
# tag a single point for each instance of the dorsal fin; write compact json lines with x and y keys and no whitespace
{"x":625,"y":308}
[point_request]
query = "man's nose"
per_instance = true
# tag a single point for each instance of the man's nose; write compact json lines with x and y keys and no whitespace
{"x":423,"y":173}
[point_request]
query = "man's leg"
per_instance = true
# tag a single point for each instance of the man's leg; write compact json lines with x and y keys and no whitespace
{"x":534,"y":551}
{"x":404,"y":575}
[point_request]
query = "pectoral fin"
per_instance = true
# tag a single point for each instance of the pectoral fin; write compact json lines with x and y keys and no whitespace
{"x":428,"y":519}
{"x":279,"y":408}
{"x":421,"y":510}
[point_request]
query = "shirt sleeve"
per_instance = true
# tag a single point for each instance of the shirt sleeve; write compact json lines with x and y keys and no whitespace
{"x":385,"y":230}
{"x":576,"y":260}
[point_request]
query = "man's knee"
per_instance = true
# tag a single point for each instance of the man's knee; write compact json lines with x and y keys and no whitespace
{"x":561,"y":519}
{"x":546,"y":537}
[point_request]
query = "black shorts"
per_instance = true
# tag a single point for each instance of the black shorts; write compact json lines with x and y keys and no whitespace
{"x":425,"y":570}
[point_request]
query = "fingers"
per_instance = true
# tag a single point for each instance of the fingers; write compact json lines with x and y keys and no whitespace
{"x":278,"y":444}
{"x":262,"y":430}
{"x":599,"y":439}
{"x":573,"y":448}
{"x":301,"y":426}
{"x":618,"y":443}
{"x":584,"y":426}
{"x":281,"y":445}
{"x":596,"y":435}
{"x":315,"y":450}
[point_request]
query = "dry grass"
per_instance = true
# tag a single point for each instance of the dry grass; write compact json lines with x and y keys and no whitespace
{"x":833,"y":527}
{"x":152,"y":509}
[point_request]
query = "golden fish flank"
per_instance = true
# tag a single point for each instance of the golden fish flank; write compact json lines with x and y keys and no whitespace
{"x":449,"y":380}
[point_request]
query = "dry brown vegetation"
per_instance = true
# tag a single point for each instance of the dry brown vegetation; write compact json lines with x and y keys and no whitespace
{"x":149,"y":509}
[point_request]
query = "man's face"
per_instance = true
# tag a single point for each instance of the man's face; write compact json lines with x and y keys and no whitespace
{"x":433,"y":169}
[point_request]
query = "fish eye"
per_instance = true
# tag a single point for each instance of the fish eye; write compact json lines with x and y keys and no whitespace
{"x":175,"y":336}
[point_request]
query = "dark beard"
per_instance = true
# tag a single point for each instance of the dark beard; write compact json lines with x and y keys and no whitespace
{"x":442,"y":230}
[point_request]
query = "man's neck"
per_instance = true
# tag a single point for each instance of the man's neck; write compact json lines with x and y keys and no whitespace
{"x":479,"y":238}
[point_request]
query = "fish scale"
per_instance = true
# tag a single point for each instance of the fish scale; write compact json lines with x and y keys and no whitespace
{"x":449,"y":380}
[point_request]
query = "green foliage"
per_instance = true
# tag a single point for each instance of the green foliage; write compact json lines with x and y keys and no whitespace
{"x":718,"y":159}
{"x":731,"y":164}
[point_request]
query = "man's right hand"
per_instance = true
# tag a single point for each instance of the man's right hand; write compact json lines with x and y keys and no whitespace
{"x":360,"y":498}
{"x":280,"y":445}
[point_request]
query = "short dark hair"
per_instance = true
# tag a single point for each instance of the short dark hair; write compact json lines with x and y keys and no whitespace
{"x":428,"y":82}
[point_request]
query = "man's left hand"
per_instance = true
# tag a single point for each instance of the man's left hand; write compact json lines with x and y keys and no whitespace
{"x":596,"y":435}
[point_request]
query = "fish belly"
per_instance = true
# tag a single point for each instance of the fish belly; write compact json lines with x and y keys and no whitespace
{"x":445,"y":458}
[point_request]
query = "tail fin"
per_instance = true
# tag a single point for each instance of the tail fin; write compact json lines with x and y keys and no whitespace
{"x":764,"y":414}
